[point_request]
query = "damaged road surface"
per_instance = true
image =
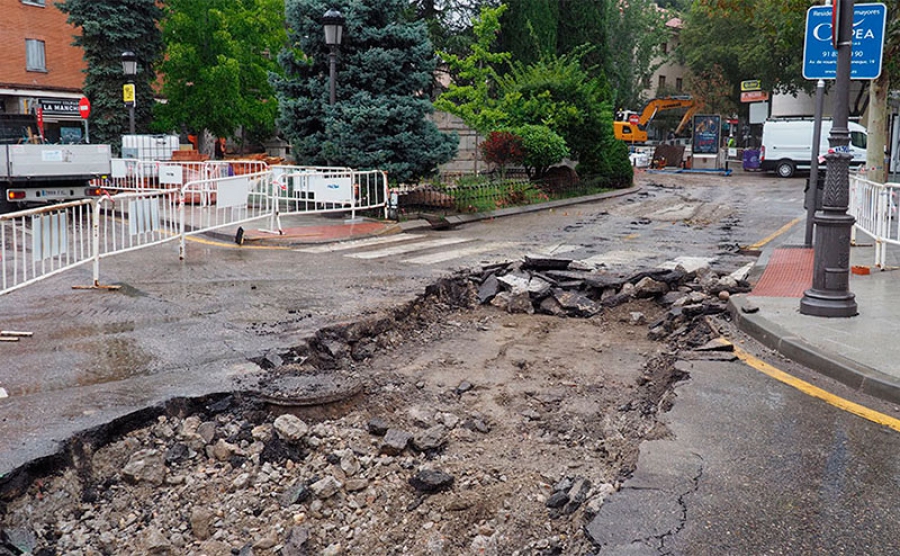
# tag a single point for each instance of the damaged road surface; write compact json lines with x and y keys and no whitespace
{"x":494,"y":415}
{"x":540,"y":407}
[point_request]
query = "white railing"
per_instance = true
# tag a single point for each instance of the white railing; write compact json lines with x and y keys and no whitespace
{"x":41,"y":242}
{"x":130,"y":174}
{"x":210,"y":204}
{"x":302,"y":191}
{"x":150,"y":206}
{"x":874,"y":205}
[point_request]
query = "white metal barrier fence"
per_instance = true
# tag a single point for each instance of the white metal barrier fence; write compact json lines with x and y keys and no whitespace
{"x":874,"y":205}
{"x":41,"y":242}
{"x":130,"y":174}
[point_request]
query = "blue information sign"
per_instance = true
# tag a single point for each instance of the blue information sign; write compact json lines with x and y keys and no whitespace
{"x":819,"y":55}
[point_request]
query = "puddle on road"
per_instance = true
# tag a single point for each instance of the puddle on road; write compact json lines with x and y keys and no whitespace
{"x":112,"y":359}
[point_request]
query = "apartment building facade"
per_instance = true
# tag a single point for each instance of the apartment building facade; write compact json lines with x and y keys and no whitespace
{"x":41,"y":72}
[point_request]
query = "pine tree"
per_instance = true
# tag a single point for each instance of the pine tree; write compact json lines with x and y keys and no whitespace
{"x":379,"y":117}
{"x":109,"y":28}
{"x":530,"y":30}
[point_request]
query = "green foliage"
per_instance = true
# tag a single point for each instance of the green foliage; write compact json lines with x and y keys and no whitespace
{"x":530,"y":30}
{"x":542,"y":148}
{"x":379,"y":119}
{"x":735,"y":40}
{"x":556,"y":92}
{"x":636,"y":31}
{"x":585,"y":24}
{"x":109,"y":28}
{"x":449,"y":22}
{"x":218,"y":60}
{"x":470,"y":95}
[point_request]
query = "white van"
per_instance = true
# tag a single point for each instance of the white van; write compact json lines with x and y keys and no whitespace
{"x":787,"y":144}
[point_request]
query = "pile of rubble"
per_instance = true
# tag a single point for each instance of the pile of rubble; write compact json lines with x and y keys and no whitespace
{"x":559,"y":287}
{"x":371,"y":461}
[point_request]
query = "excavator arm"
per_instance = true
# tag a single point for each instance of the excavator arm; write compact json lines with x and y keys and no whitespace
{"x":638,"y":133}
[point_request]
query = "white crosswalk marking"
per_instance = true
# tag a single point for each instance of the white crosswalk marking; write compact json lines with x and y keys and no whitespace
{"x":457,"y":253}
{"x":400,"y":249}
{"x":355,"y":244}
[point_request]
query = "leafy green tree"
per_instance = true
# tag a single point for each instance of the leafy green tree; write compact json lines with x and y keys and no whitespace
{"x":542,"y":148}
{"x":109,"y":28}
{"x":449,"y":22}
{"x":218,"y":59}
{"x":472,"y":94}
{"x":379,"y":119}
{"x":636,"y":31}
{"x":556,"y":92}
{"x":747,"y":40}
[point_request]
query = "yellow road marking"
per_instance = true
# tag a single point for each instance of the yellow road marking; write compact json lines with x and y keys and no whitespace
{"x":196,"y":239}
{"x":816,"y":392}
{"x":777,"y":233}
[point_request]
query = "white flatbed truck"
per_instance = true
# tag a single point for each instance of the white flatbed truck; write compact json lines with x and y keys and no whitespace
{"x":32,"y":174}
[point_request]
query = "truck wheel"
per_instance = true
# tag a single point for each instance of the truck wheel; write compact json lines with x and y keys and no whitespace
{"x":785,"y":168}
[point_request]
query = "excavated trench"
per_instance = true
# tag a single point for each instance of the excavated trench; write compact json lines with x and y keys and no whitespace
{"x":492,"y":415}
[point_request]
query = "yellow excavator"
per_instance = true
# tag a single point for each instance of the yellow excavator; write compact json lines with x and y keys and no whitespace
{"x":634,"y":128}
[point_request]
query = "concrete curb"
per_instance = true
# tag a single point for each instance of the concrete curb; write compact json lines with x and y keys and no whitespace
{"x":860,"y":377}
{"x":512,"y":211}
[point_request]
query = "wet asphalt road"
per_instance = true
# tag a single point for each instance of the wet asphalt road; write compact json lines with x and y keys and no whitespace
{"x":754,"y":467}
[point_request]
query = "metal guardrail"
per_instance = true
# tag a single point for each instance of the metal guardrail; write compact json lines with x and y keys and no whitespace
{"x":874,"y":205}
{"x":142,"y":210}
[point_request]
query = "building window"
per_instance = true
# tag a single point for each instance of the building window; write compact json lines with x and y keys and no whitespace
{"x":40,"y":3}
{"x":34,"y":55}
{"x":679,"y":84}
{"x":665,"y":48}
{"x":662,"y":82}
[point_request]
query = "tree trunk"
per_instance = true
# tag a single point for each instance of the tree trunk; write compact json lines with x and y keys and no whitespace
{"x":877,"y":129}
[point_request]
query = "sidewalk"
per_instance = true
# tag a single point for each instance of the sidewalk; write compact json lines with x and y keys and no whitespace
{"x":858,"y":351}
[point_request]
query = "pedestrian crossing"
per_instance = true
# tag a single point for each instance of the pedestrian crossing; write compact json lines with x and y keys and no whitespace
{"x":413,"y":248}
{"x":421,"y":249}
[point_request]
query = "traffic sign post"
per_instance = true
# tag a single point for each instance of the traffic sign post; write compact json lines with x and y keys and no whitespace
{"x":820,"y":55}
{"x":84,"y":110}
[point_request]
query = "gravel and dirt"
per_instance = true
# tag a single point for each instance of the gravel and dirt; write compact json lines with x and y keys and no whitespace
{"x":463,"y":423}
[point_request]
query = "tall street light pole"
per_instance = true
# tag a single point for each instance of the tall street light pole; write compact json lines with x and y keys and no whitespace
{"x":129,"y":68}
{"x":830,"y":293}
{"x":333,"y":22}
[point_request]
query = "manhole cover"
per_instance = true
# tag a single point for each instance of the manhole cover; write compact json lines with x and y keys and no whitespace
{"x":290,"y":386}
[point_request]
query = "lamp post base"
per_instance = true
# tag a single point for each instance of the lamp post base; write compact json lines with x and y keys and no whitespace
{"x":819,"y":303}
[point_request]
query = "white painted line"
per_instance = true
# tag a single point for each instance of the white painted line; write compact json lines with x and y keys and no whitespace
{"x":400,"y":249}
{"x":558,"y":249}
{"x":345,"y":245}
{"x":457,"y":253}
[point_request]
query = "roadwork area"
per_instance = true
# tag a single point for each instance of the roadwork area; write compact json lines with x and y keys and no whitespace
{"x":494,"y":415}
